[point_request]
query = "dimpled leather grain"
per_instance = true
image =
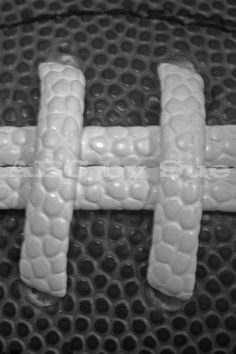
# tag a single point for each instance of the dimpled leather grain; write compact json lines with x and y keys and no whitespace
{"x":177,"y":216}
{"x":51,"y":199}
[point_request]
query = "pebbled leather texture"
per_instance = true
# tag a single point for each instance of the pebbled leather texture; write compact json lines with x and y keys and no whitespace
{"x":117,"y":145}
{"x":177,"y":215}
{"x":50,"y":205}
{"x":107,"y":309}
{"x":123,"y":146}
{"x":219,"y":191}
{"x":135,"y":188}
{"x":221,"y":145}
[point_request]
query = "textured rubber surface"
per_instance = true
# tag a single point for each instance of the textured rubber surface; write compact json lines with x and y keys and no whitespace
{"x":177,"y":215}
{"x":118,"y":146}
{"x":50,"y":205}
{"x":109,"y":308}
